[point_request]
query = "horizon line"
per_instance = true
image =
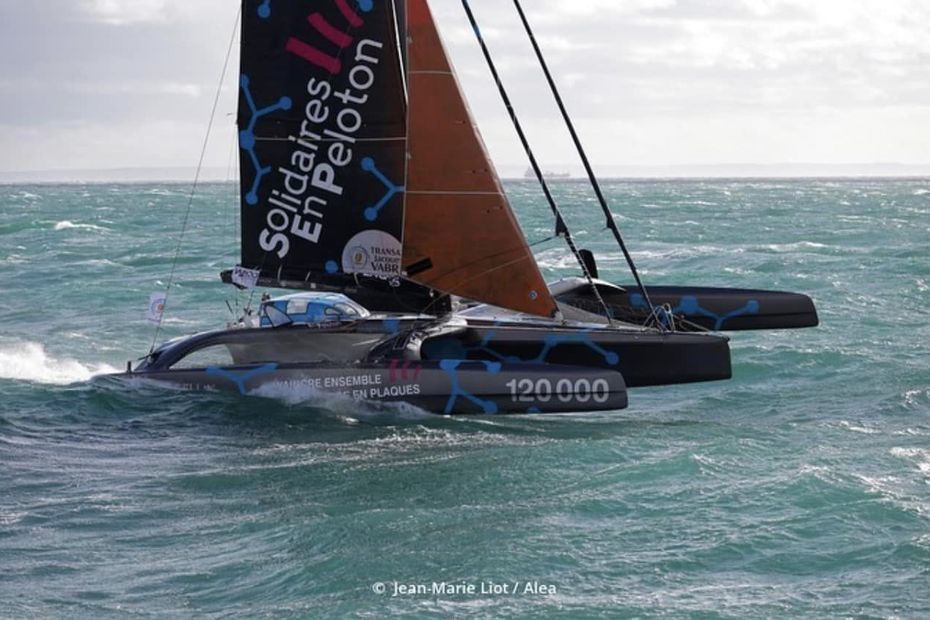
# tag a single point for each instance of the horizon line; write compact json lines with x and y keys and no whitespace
{"x":214,"y":174}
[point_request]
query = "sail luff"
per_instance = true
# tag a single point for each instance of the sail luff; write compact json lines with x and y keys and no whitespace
{"x":460,"y":235}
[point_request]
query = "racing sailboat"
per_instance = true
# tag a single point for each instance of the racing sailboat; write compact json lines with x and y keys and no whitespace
{"x":365,"y":185}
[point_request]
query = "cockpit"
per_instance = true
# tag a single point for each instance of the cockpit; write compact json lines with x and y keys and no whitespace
{"x":314,"y":309}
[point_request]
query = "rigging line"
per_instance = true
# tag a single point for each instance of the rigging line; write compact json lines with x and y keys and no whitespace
{"x":231,"y":170}
{"x":190,"y":202}
{"x":611,"y":223}
{"x":561,"y":228}
{"x":234,"y":223}
{"x":542,"y":241}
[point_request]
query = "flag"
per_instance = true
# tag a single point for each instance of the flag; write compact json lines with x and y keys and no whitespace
{"x":245,"y":278}
{"x":156,"y":307}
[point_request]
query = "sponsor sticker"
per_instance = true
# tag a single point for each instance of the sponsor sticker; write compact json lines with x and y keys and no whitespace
{"x":373,"y":253}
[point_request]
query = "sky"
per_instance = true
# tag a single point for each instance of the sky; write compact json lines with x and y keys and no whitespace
{"x":102,"y":84}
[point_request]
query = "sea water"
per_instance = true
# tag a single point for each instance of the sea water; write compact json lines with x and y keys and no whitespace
{"x":800,"y":488}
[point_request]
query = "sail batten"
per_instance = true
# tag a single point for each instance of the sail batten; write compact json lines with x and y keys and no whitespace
{"x":460,"y":235}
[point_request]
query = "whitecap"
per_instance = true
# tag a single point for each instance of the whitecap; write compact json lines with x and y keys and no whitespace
{"x":306,"y":393}
{"x":915,"y":398}
{"x":859,"y":429}
{"x":919,"y":456}
{"x":794,"y":247}
{"x":911,"y":432}
{"x":68,"y":225}
{"x":11,"y":518}
{"x":97,"y":262}
{"x":299,"y":392}
{"x":28,"y":361}
{"x":178,"y":321}
{"x":692,"y":251}
{"x":12,"y":259}
{"x":888,"y":487}
{"x":555,"y":259}
{"x":817,"y":471}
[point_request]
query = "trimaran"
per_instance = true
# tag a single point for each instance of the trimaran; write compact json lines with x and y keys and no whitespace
{"x":367,"y":187}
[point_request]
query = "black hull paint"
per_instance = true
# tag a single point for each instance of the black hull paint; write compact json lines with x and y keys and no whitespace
{"x":644,"y":358}
{"x":475,"y":366}
{"x":705,"y":308}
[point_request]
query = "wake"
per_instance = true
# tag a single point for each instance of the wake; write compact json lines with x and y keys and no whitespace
{"x":28,"y":361}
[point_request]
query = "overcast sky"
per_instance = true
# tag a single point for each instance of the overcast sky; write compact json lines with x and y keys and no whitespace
{"x":129,"y":83}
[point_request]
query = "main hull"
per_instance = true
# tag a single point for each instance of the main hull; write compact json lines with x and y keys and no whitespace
{"x":474,"y":362}
{"x":446,"y":387}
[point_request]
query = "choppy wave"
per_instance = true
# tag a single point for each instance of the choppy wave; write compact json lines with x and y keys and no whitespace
{"x":25,"y":195}
{"x":12,"y":259}
{"x":29,"y":361}
{"x":812,"y":462}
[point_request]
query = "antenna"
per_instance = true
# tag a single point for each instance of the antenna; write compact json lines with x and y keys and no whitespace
{"x":611,"y":223}
{"x":561,"y":229}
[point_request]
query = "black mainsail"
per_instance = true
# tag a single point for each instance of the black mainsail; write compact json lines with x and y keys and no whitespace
{"x":347,"y":187}
{"x":322,"y":133}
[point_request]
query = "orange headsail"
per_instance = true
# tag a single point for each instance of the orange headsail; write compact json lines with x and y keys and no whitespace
{"x":460,"y":235}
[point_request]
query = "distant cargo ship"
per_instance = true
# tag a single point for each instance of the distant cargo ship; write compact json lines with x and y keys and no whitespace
{"x":530,"y":174}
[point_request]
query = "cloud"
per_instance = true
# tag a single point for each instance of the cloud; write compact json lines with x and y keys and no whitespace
{"x":118,"y":12}
{"x":133,"y":12}
{"x":116,"y":144}
{"x":698,"y":81}
{"x":710,"y":80}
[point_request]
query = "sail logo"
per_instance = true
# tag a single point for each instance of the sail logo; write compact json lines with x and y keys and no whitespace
{"x":326,"y":142}
{"x":332,"y":34}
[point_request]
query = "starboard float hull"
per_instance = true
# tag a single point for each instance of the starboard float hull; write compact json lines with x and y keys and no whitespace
{"x":699,"y":308}
{"x":644,"y":358}
{"x":445,"y":387}
{"x":731,"y":309}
